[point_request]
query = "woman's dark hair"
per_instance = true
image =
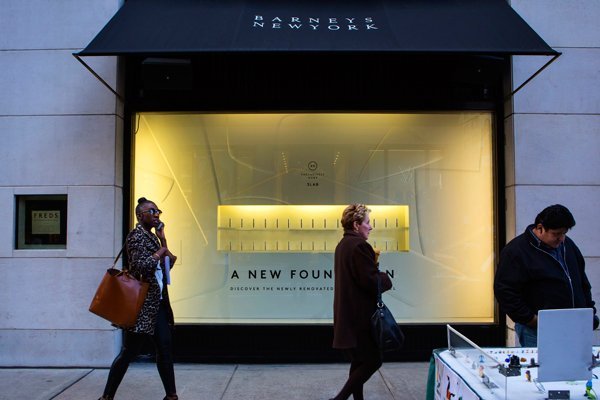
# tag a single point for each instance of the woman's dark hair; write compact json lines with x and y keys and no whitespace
{"x":555,"y":217}
{"x":141,"y":202}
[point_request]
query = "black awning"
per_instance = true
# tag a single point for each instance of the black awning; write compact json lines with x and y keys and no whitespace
{"x":170,"y":27}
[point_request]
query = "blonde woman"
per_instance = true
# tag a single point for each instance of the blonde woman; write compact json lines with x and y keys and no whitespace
{"x":355,"y":298}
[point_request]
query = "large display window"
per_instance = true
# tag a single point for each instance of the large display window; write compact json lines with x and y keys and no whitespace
{"x":252,"y":204}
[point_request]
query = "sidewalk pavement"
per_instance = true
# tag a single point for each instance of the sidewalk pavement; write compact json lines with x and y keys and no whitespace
{"x":394,"y":381}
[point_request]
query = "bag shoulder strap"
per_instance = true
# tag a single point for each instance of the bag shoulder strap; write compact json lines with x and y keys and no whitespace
{"x":118,"y":256}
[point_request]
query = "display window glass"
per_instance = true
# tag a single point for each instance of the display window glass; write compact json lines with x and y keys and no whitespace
{"x":252,"y":204}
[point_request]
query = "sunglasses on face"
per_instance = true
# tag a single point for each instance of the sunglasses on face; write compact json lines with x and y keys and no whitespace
{"x":152,"y":211}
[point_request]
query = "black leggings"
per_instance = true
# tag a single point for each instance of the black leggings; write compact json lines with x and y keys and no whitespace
{"x":365,"y":361}
{"x":132,"y":344}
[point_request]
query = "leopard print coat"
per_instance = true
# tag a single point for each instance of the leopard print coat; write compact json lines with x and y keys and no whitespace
{"x":140,"y":245}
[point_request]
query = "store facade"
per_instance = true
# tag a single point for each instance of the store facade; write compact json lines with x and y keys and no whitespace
{"x":253,"y":128}
{"x":259,"y":125}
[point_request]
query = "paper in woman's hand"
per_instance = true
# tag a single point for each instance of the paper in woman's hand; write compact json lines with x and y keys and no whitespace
{"x":377,"y":253}
{"x":168,"y":269}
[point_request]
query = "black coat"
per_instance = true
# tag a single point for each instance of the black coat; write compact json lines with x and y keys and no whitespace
{"x":529,"y":279}
{"x":355,"y":292}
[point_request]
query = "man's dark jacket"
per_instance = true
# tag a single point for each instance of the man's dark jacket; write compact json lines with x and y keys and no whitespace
{"x":529,"y":278}
{"x":355,"y":294}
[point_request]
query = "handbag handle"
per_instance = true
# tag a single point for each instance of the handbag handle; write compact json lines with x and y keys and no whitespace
{"x":379,"y":300}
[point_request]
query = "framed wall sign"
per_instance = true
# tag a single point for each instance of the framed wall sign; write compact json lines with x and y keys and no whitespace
{"x":41,"y":222}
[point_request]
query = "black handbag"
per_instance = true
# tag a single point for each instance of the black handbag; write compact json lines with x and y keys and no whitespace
{"x":386,"y":332}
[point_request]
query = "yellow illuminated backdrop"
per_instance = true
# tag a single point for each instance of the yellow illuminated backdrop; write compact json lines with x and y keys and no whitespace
{"x":210,"y":172}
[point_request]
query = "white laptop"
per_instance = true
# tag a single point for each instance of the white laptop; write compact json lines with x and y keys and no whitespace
{"x":565,"y":344}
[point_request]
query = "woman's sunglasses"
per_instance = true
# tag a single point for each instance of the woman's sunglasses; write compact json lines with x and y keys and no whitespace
{"x":152,"y":211}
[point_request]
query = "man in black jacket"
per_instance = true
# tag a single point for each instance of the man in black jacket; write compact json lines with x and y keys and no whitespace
{"x":542,"y":269}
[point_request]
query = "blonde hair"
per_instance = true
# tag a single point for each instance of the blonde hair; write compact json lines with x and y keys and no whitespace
{"x":354,"y":212}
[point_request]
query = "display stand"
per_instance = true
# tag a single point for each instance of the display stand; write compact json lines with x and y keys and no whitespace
{"x":466,"y":371}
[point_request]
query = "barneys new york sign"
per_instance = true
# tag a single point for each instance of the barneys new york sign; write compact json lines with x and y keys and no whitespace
{"x":310,"y":23}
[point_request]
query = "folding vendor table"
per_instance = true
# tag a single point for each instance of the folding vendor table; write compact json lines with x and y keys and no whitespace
{"x":468,"y":372}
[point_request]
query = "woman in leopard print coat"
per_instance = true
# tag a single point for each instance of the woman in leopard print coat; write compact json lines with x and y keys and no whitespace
{"x":146,"y":253}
